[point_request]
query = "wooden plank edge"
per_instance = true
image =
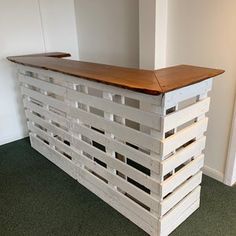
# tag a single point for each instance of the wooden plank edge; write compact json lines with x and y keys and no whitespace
{"x":47,"y":54}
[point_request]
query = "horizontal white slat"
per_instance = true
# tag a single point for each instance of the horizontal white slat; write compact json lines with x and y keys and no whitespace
{"x":122,"y":167}
{"x":181,"y":156}
{"x":123,"y":149}
{"x":37,"y":131}
{"x":180,"y":212}
{"x":67,"y":79}
{"x":174,"y":97}
{"x":180,"y":193}
{"x":46,"y":113}
{"x":134,"y":212}
{"x":106,"y":195}
{"x":55,"y":130}
{"x":188,"y":212}
{"x":140,"y":195}
{"x":138,"y":176}
{"x":183,"y":136}
{"x":183,"y":174}
{"x":149,"y":119}
{"x":150,"y":99}
{"x":64,"y":163}
{"x":47,"y":100}
{"x":115,"y":180}
{"x":187,"y":114}
{"x":46,"y":86}
{"x":120,"y":131}
{"x":146,"y":118}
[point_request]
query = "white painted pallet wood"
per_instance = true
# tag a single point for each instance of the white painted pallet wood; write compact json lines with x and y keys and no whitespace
{"x":141,"y":154}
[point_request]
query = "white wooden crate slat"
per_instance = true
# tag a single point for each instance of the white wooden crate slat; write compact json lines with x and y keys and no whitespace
{"x":178,"y":178}
{"x":183,"y":136}
{"x":141,"y":154}
{"x":182,"y":116}
{"x":132,"y":135}
{"x":113,"y":198}
{"x":128,"y":170}
{"x":111,"y":155}
{"x":180,"y":193}
{"x":45,"y":99}
{"x":55,"y":117}
{"x":179,"y":95}
{"x":119,"y":147}
{"x":194,"y":149}
{"x":120,"y":166}
{"x":55,"y":130}
{"x":50,"y":87}
{"x":89,"y":163}
{"x":180,"y":212}
{"x":132,"y":190}
{"x":65,"y":79}
{"x":149,"y":119}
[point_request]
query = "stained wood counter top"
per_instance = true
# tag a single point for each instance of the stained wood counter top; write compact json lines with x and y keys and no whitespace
{"x":153,"y":82}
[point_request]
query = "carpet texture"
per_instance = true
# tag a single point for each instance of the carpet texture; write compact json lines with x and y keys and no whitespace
{"x":37,"y":198}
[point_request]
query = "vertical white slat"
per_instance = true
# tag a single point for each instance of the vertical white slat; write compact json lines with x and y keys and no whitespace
{"x":46,"y":106}
{"x":172,"y":132}
{"x":201,"y":97}
{"x":200,"y":117}
{"x":154,"y":133}
{"x":86,"y":108}
{"x":121,"y":120}
{"x":168,"y":110}
{"x":24,"y":96}
{"x":73,"y":104}
{"x":77,"y":105}
{"x":43,"y":90}
{"x":110,"y":117}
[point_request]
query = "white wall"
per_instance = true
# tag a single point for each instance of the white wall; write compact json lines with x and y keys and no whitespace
{"x":23,"y":31}
{"x":108,"y":31}
{"x":203,"y":33}
{"x":20,"y":33}
{"x":152,"y":34}
{"x":147,"y":34}
{"x":59,"y":26}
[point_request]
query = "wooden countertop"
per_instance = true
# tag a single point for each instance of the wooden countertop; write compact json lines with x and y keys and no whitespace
{"x":152,"y":82}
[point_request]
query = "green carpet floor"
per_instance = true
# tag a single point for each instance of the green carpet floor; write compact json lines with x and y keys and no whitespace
{"x":37,"y":198}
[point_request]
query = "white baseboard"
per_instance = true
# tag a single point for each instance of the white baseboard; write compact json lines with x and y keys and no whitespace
{"x":230,"y":182}
{"x":12,"y":138}
{"x":215,"y":174}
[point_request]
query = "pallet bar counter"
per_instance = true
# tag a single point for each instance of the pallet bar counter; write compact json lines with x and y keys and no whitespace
{"x":132,"y":137}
